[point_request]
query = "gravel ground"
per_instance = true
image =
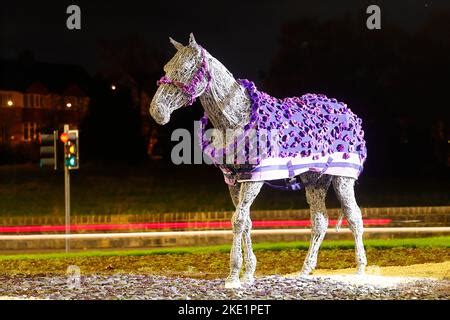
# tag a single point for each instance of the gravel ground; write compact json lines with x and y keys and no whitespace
{"x":127,"y":286}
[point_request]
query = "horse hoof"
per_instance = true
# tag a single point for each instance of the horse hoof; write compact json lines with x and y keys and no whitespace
{"x":361,"y":270}
{"x":233,"y":284}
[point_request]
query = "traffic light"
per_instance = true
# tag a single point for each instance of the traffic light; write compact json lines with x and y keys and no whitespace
{"x":71,"y":154}
{"x":48,"y":149}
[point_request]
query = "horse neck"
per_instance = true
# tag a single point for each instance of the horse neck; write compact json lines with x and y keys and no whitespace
{"x":226,"y":102}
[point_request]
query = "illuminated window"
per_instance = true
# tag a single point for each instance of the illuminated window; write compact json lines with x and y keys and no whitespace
{"x":30,"y":131}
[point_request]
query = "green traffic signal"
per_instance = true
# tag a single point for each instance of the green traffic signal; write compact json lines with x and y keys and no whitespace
{"x":71,"y":161}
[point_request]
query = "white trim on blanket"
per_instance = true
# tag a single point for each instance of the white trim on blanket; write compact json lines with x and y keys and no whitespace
{"x":283,"y":168}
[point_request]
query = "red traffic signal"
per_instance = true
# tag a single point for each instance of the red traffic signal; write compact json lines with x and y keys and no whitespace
{"x":64,"y":137}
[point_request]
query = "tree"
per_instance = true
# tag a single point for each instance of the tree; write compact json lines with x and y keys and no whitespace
{"x":111,"y":132}
{"x":128,"y":62}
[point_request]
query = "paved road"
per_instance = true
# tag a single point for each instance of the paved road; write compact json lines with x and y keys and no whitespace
{"x":153,"y":239}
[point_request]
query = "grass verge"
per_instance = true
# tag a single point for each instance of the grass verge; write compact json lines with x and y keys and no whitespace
{"x":25,"y":190}
{"x":431,"y":242}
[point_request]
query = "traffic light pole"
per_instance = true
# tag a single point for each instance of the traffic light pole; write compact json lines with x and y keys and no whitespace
{"x":67,"y":198}
{"x":49,"y":157}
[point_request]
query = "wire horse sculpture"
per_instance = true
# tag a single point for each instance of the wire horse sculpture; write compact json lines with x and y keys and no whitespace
{"x":318,"y":142}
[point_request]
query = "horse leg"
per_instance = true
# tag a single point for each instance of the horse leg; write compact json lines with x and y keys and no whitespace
{"x":344,"y":188}
{"x":247,"y":194}
{"x":249,"y":256}
{"x":316,"y":191}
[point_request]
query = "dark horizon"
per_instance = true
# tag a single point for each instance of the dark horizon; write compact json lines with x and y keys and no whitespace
{"x":232,"y":31}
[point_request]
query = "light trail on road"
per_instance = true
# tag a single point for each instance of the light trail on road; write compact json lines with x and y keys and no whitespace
{"x":205,"y":233}
{"x":175,"y":225}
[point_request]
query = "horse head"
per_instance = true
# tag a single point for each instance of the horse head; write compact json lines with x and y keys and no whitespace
{"x":187,"y":77}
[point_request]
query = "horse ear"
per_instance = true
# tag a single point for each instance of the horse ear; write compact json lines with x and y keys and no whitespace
{"x":192,"y":41}
{"x":176,"y":44}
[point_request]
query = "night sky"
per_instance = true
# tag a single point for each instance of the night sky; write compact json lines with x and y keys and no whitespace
{"x":242,"y":34}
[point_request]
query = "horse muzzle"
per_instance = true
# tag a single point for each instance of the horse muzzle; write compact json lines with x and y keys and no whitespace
{"x":159,"y":117}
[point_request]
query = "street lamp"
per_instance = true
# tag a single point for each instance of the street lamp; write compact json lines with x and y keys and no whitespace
{"x":68,"y":104}
{"x":113,"y":87}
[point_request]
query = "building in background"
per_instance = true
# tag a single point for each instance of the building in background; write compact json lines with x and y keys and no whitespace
{"x":37,"y":97}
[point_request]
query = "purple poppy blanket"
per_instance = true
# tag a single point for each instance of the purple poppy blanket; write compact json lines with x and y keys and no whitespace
{"x":308,"y":133}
